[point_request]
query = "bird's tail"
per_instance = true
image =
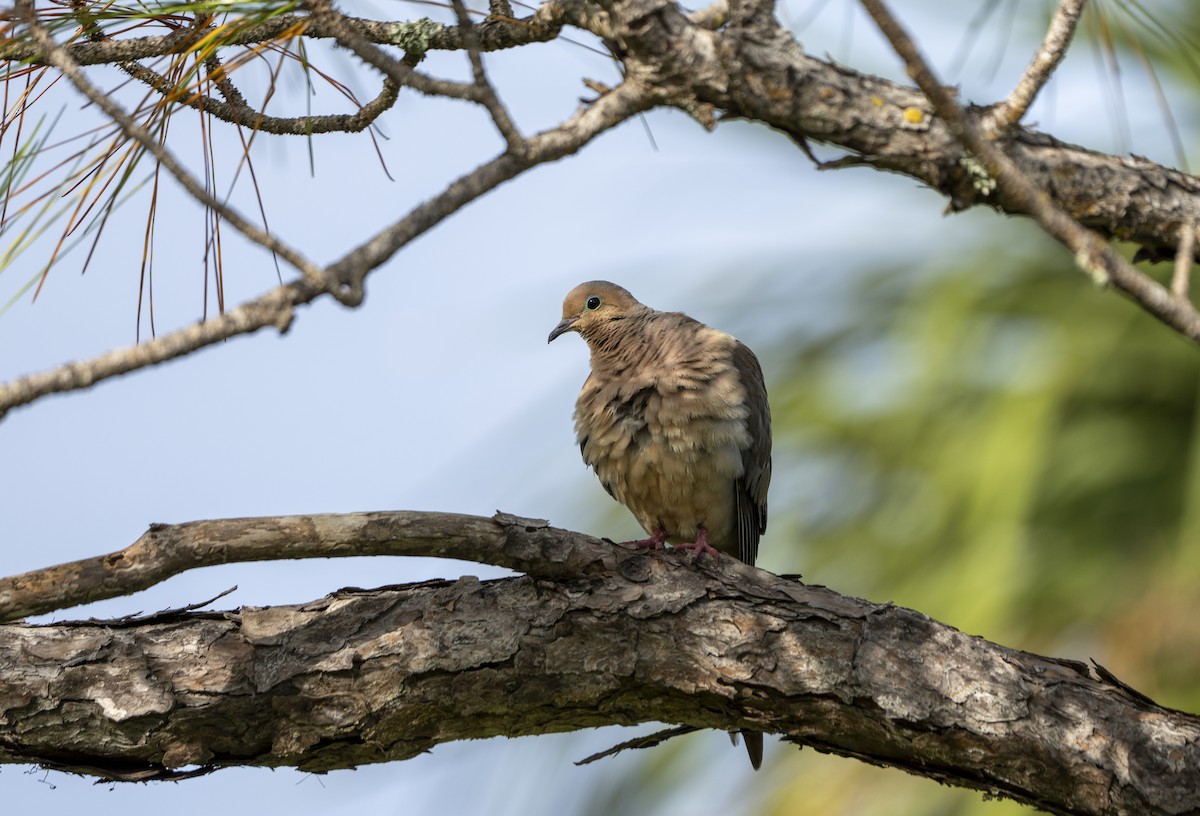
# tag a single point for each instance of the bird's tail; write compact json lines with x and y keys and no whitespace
{"x":754,"y":745}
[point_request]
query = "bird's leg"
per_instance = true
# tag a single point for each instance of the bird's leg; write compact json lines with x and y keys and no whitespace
{"x":654,"y":542}
{"x":700,"y":545}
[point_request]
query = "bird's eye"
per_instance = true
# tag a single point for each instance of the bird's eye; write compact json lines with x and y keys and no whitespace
{"x":593,"y":303}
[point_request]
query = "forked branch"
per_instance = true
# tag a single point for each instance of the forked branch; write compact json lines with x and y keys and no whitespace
{"x":1092,"y":254}
{"x":1059,"y":35}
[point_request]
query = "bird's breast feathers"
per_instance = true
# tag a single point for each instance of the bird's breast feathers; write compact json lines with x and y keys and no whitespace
{"x":649,"y":434}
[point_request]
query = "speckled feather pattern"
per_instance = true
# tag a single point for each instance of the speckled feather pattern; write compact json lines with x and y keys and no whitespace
{"x":675,"y":422}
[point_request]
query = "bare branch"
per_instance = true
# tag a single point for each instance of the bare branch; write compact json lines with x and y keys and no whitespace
{"x":1092,"y":254}
{"x":166,"y":550}
{"x":639,"y":743}
{"x":237,"y":111}
{"x":275,"y":308}
{"x":1045,"y":62}
{"x":1181,"y":280}
{"x":487,"y":94}
{"x":626,"y":100}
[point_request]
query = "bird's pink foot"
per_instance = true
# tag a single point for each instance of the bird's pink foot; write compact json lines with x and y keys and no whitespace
{"x":654,"y":542}
{"x":700,"y":545}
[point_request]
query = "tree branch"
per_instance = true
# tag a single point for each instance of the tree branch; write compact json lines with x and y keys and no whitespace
{"x":276,"y":308}
{"x":594,"y":634}
{"x":417,"y":36}
{"x":738,"y":60}
{"x":1092,"y":254}
{"x":237,"y":111}
{"x":1054,"y":47}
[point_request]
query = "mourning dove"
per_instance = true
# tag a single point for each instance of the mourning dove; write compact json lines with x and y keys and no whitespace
{"x":674,"y":420}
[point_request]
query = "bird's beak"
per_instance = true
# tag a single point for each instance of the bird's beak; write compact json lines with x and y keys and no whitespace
{"x":565,"y":325}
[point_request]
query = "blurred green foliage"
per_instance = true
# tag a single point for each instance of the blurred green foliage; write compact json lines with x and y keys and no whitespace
{"x":1015,"y":450}
{"x":1006,"y":448}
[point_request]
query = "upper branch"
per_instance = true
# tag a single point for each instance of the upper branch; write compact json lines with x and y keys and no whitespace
{"x":417,"y":36}
{"x":731,"y":58}
{"x":1091,"y":253}
{"x":527,"y":545}
{"x":604,"y":634}
{"x":752,"y":68}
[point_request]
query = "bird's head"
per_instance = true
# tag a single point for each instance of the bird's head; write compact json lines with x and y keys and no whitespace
{"x":592,"y":305}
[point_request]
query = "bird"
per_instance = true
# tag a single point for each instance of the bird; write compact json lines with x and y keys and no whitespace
{"x":674,"y":420}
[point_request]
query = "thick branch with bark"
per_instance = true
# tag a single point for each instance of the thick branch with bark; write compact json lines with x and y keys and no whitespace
{"x":1092,"y":254}
{"x":593,"y":634}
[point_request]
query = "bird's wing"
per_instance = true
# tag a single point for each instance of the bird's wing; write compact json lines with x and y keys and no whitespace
{"x":750,"y":491}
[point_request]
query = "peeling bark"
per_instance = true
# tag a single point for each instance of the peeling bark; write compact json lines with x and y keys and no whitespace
{"x":603,"y":634}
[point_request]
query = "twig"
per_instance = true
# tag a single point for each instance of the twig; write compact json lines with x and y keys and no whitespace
{"x":1054,"y":47}
{"x":1181,"y":280}
{"x":1092,"y":254}
{"x":648,"y":741}
{"x":487,"y":94}
{"x":500,"y":10}
{"x":275,"y":308}
{"x":56,"y":56}
{"x":161,"y":616}
{"x":626,"y":100}
{"x":237,"y":111}
{"x":402,"y":72}
{"x":543,"y":25}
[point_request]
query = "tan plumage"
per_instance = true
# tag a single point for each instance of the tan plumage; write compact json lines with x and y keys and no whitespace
{"x":674,"y":420}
